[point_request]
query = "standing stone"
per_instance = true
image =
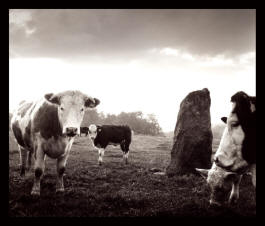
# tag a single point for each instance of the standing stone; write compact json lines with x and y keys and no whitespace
{"x":192,"y":142}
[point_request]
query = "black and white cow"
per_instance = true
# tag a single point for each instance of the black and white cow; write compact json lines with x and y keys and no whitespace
{"x":236,"y":153}
{"x":83,"y":130}
{"x":104,"y":135}
{"x":47,"y":127}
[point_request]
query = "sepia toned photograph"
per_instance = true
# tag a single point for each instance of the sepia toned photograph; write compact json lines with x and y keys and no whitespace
{"x":132,"y":113}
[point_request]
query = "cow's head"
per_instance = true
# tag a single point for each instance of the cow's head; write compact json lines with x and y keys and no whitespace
{"x":220,"y":182}
{"x":93,"y":130}
{"x":229,"y":154}
{"x":71,"y":108}
{"x":229,"y":160}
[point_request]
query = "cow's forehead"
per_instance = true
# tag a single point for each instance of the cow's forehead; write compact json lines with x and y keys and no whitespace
{"x":72,"y":98}
{"x":232,"y":115}
{"x":216,"y":175}
{"x":93,"y":128}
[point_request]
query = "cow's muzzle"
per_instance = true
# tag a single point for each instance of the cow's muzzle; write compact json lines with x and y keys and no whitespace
{"x":71,"y":131}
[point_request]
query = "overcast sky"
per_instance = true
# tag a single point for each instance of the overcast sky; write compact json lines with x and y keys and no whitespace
{"x":133,"y":60}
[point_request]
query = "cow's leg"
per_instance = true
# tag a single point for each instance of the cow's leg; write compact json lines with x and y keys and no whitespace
{"x":253,"y":174}
{"x":100,"y":155}
{"x":38,"y":168}
{"x":61,"y":163}
{"x":125,"y":156}
{"x":234,"y":195}
{"x":23,"y":160}
{"x":29,"y":160}
{"x":125,"y":149}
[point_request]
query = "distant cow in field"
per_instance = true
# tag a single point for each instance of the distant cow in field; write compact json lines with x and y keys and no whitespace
{"x":83,"y":130}
{"x":236,"y":153}
{"x":48,"y":127}
{"x":105,"y":135}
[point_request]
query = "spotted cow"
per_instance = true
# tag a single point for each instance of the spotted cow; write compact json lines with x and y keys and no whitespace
{"x":104,"y":135}
{"x":47,"y":127}
{"x":236,"y":153}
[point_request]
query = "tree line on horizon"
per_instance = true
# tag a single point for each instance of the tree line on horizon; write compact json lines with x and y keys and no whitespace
{"x":135,"y":120}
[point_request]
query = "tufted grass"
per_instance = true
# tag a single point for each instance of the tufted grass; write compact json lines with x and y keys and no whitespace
{"x":115,"y":189}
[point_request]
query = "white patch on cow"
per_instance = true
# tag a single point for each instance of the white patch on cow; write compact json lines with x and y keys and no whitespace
{"x":229,"y":152}
{"x":92,"y":131}
{"x":252,"y":107}
{"x":101,"y":154}
{"x":126,"y":155}
{"x":22,"y":122}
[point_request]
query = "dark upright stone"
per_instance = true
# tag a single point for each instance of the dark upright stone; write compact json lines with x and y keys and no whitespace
{"x":192,"y":144}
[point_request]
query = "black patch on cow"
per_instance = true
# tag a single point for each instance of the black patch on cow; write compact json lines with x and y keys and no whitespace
{"x":46,"y":121}
{"x":113,"y":134}
{"x":92,"y":102}
{"x":18,"y":134}
{"x":27,"y":134}
{"x":247,"y":120}
{"x":55,"y":99}
{"x":38,"y":172}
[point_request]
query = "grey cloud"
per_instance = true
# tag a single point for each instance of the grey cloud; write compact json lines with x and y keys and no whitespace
{"x":126,"y":34}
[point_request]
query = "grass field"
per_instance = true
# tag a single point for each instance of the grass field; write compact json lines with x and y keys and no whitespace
{"x":115,"y":189}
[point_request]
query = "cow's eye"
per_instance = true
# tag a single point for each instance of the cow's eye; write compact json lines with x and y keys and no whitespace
{"x":235,"y":124}
{"x":82,"y":109}
{"x":62,"y":108}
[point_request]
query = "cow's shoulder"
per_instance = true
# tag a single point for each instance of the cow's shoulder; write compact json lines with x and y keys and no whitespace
{"x":46,"y":120}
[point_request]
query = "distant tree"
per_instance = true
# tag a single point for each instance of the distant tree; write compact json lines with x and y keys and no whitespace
{"x":135,"y":120}
{"x":90,"y":117}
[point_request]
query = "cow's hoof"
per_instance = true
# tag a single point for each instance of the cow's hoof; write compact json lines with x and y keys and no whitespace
{"x":22,"y":172}
{"x":233,"y":200}
{"x":59,"y":190}
{"x":35,"y":193}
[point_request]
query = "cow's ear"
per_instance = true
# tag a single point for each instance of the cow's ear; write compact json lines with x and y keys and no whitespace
{"x":55,"y":99}
{"x":91,"y":102}
{"x":224,"y":119}
{"x":99,"y":128}
{"x":203,"y":172}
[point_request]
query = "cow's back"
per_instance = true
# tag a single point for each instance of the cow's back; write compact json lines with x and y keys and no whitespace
{"x":115,"y":133}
